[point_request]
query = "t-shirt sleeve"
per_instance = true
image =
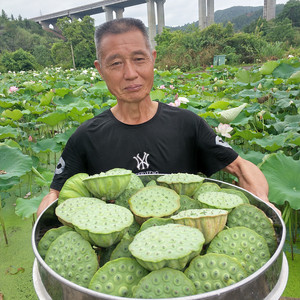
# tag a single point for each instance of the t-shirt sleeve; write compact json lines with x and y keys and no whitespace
{"x":69,"y":164}
{"x":215,"y":154}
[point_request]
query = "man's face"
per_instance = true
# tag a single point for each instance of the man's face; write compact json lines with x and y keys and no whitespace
{"x":127,"y":66}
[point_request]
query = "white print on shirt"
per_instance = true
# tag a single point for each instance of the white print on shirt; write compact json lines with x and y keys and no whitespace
{"x":220,"y":142}
{"x":60,"y":166}
{"x":142,"y":163}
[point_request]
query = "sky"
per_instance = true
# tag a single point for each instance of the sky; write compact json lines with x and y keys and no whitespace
{"x":177,"y":12}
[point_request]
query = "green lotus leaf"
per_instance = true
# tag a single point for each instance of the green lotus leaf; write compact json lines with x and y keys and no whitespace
{"x":283,"y":176}
{"x":15,"y":114}
{"x":268,"y":67}
{"x":52,"y":119}
{"x":228,"y":115}
{"x":272,"y":142}
{"x":284,"y":71}
{"x":246,"y":76}
{"x":13,"y":162}
{"x":294,"y":79}
{"x":8,"y":131}
{"x":46,"y":145}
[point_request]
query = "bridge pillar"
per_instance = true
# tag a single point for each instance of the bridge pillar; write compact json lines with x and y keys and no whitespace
{"x":160,"y":15}
{"x":210,"y":12}
{"x":119,"y":12}
{"x":108,"y":13}
{"x":269,"y":11}
{"x":202,"y":13}
{"x":206,"y":13}
{"x":151,"y":21}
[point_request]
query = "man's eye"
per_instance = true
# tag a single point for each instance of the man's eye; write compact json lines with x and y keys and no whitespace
{"x":116,"y":63}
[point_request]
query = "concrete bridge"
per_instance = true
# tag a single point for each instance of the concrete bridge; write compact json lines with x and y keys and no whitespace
{"x":109,"y":7}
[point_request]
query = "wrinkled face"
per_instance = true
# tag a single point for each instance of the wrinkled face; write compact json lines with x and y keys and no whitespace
{"x":127,"y":66}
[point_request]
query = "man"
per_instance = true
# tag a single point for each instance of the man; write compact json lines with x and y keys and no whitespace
{"x":139,"y":134}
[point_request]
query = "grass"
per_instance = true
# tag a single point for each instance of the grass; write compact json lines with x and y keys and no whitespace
{"x":16,"y":260}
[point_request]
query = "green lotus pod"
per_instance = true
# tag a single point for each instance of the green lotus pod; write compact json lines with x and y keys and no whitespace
{"x":50,"y":236}
{"x":228,"y":115}
{"x":188,"y":203}
{"x":102,"y":225}
{"x":219,"y":200}
{"x":151,"y":182}
{"x":206,"y":187}
{"x":244,"y":244}
{"x":118,"y":277}
{"x":108,"y":185}
{"x":154,"y":201}
{"x":73,"y":188}
{"x":170,"y":245}
{"x":164,"y":283}
{"x":121,"y":249}
{"x":214,"y":271}
{"x":66,"y":209}
{"x":254,"y":218}
{"x":156,"y":222}
{"x":209,"y":221}
{"x":133,"y":186}
{"x":181,"y":183}
{"x":235,"y":192}
{"x":73,"y":258}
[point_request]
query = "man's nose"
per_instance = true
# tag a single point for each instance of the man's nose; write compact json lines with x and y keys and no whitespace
{"x":130,"y":71}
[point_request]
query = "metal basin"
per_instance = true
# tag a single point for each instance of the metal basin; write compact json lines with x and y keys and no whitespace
{"x":266,"y":283}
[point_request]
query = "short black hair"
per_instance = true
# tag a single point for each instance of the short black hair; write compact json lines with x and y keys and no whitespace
{"x":119,"y":26}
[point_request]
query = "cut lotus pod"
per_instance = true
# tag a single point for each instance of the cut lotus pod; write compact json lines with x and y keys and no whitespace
{"x":102,"y":225}
{"x":65,"y":210}
{"x":188,"y":203}
{"x":206,"y":187}
{"x":121,"y":249}
{"x":74,"y":188}
{"x":209,"y":221}
{"x":254,"y":218}
{"x":214,"y":271}
{"x":244,"y":244}
{"x":181,"y":183}
{"x":235,"y":192}
{"x":50,"y":236}
{"x":170,"y":245}
{"x":219,"y":200}
{"x":118,"y":277}
{"x":133,"y":186}
{"x":156,"y":222}
{"x":154,"y":201}
{"x":164,"y":283}
{"x":73,"y":258}
{"x":108,"y":185}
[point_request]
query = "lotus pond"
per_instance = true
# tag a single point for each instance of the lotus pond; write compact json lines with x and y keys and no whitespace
{"x":256,"y":111}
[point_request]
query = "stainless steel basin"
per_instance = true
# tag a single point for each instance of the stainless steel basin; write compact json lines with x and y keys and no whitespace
{"x":266,"y":283}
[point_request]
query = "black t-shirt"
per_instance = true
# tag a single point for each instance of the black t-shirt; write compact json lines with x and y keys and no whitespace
{"x":174,"y":140}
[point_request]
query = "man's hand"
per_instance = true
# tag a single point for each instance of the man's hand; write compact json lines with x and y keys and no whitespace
{"x":250,"y":178}
{"x":47,"y":200}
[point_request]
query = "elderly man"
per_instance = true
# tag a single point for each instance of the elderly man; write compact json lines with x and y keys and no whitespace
{"x":139,"y":134}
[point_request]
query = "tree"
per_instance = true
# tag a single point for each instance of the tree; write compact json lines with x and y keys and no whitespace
{"x":291,"y":11}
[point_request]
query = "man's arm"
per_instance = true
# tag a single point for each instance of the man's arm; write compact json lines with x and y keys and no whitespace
{"x":250,"y":177}
{"x":47,"y":200}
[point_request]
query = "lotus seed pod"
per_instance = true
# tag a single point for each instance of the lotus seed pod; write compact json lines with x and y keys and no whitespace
{"x":214,"y":271}
{"x":206,"y":187}
{"x":254,"y":218}
{"x":181,"y":183}
{"x":73,"y":188}
{"x":65,"y":210}
{"x":73,"y":258}
{"x":102,"y":225}
{"x":156,"y":222}
{"x":187,"y":203}
{"x":50,"y":236}
{"x":209,"y":221}
{"x":108,"y":185}
{"x":243,"y":243}
{"x":164,"y":283}
{"x":235,"y":192}
{"x":170,"y":245}
{"x":154,"y":201}
{"x":134,"y":185}
{"x":118,"y":277}
{"x":219,"y":200}
{"x":121,"y":249}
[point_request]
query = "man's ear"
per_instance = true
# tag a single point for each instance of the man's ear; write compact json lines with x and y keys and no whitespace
{"x":154,"y":55}
{"x":98,"y":67}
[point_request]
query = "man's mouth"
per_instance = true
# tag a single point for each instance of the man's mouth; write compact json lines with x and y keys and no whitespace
{"x":133,"y":87}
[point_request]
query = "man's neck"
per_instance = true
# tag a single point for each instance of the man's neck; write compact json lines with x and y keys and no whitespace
{"x":135,"y":113}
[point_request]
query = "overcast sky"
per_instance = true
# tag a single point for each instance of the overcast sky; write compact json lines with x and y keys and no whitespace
{"x":177,"y":12}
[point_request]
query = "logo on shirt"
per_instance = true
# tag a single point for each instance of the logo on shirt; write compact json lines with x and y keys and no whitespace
{"x":142,"y":163}
{"x":220,"y":142}
{"x":60,"y":166}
